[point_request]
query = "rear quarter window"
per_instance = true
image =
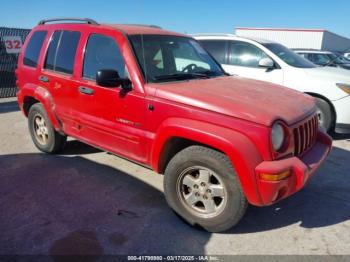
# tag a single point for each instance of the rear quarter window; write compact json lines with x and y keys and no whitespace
{"x":32,"y":52}
{"x":60,"y":56}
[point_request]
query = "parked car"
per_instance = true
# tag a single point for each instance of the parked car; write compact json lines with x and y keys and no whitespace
{"x":272,"y":62}
{"x":324,"y":58}
{"x":347,"y":55}
{"x":159,"y":99}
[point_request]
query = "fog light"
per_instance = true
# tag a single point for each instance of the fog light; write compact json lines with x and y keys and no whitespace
{"x":275,"y":177}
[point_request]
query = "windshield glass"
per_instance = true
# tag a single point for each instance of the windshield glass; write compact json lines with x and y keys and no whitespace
{"x":338,"y":59}
{"x":289,"y":56}
{"x":165,"y":58}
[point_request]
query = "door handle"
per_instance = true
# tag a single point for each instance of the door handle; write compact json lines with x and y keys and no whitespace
{"x":86,"y":90}
{"x":44,"y":79}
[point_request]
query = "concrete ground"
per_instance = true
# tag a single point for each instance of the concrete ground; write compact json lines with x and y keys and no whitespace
{"x":84,"y":201}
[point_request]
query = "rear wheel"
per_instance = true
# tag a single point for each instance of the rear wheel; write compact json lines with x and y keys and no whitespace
{"x":201,"y":186}
{"x":44,"y":136}
{"x":324,"y":114}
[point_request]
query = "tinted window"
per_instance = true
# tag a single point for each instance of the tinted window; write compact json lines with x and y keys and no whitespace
{"x":319,"y":59}
{"x":217,"y":48}
{"x":32,"y":52}
{"x":51,"y":53}
{"x":102,"y":52}
{"x":62,"y":50}
{"x":245,"y":54}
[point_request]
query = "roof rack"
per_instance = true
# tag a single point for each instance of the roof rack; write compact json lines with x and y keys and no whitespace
{"x":86,"y":20}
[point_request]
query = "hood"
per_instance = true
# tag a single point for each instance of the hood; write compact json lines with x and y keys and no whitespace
{"x":331,"y":74}
{"x":345,"y":66}
{"x":252,"y":100}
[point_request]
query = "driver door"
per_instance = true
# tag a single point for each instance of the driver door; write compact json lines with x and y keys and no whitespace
{"x":110,"y":117}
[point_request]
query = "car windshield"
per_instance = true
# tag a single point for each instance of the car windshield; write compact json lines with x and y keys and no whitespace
{"x":338,"y":59}
{"x":165,"y":58}
{"x":288,"y":56}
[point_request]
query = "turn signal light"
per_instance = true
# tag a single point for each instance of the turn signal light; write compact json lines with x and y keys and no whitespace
{"x":275,"y":177}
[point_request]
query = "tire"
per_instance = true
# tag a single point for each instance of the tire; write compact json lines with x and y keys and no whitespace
{"x":44,"y":136}
{"x":324,"y":114}
{"x":188,"y":196}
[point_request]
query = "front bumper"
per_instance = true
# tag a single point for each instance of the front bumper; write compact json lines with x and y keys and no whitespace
{"x":301,"y":168}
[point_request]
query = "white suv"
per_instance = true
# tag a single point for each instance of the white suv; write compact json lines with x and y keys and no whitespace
{"x":272,"y":62}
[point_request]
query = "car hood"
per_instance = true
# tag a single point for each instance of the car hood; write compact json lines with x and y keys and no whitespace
{"x":345,"y":66}
{"x":332,"y":74}
{"x":248,"y":99}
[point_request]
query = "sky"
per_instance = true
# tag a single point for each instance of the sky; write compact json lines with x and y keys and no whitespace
{"x":191,"y":16}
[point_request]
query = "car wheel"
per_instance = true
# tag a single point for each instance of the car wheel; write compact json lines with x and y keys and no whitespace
{"x":202,"y":187}
{"x":44,"y":136}
{"x":324,"y":114}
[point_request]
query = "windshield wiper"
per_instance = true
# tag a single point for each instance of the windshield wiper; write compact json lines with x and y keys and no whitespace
{"x":211,"y":73}
{"x":182,"y":76}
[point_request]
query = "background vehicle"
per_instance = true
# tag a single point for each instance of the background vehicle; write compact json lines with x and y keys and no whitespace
{"x":159,"y":99}
{"x":347,"y":55}
{"x":273,"y":62}
{"x":324,"y":58}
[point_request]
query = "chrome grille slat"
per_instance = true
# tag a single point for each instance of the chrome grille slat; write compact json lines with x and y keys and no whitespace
{"x":305,"y":135}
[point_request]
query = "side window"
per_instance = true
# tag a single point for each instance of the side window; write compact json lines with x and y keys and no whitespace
{"x":217,"y":48}
{"x":61,"y":53}
{"x":102,"y":52}
{"x":319,"y":59}
{"x":32,"y":52}
{"x":245,"y":54}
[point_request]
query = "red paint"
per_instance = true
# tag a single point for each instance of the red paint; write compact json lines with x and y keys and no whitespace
{"x":230,"y":114}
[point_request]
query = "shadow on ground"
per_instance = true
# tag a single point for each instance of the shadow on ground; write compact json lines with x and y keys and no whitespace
{"x":8,"y":107}
{"x":52,"y":204}
{"x":71,"y":205}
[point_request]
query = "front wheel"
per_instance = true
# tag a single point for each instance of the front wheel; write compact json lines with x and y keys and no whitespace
{"x":201,"y":186}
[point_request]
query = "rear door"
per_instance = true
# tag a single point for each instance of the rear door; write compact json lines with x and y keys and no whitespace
{"x":57,"y":74}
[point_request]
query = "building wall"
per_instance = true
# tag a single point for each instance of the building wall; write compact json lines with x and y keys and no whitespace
{"x":291,"y":39}
{"x":334,"y":42}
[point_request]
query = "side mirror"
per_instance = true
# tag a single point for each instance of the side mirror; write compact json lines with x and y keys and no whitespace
{"x":111,"y":78}
{"x":266,"y":63}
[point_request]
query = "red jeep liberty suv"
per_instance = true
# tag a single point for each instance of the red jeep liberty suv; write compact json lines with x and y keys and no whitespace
{"x":159,"y":99}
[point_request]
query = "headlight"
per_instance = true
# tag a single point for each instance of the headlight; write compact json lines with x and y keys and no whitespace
{"x":277,"y":136}
{"x":344,"y":87}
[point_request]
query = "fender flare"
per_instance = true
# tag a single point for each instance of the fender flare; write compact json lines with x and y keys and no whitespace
{"x":241,"y":151}
{"x":42,"y":95}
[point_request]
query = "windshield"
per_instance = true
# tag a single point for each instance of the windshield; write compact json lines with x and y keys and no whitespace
{"x":288,"y":56}
{"x":165,"y":58}
{"x":338,"y":59}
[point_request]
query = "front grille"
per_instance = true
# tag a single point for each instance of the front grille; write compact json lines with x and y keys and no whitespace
{"x":305,"y":135}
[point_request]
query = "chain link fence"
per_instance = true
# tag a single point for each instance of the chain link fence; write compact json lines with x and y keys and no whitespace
{"x":11,"y":41}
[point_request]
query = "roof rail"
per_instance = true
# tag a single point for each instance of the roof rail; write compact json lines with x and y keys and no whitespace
{"x":86,"y":20}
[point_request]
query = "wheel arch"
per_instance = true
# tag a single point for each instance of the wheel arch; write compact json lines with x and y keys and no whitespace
{"x":334,"y":113}
{"x":31,"y":94}
{"x":178,"y":134}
